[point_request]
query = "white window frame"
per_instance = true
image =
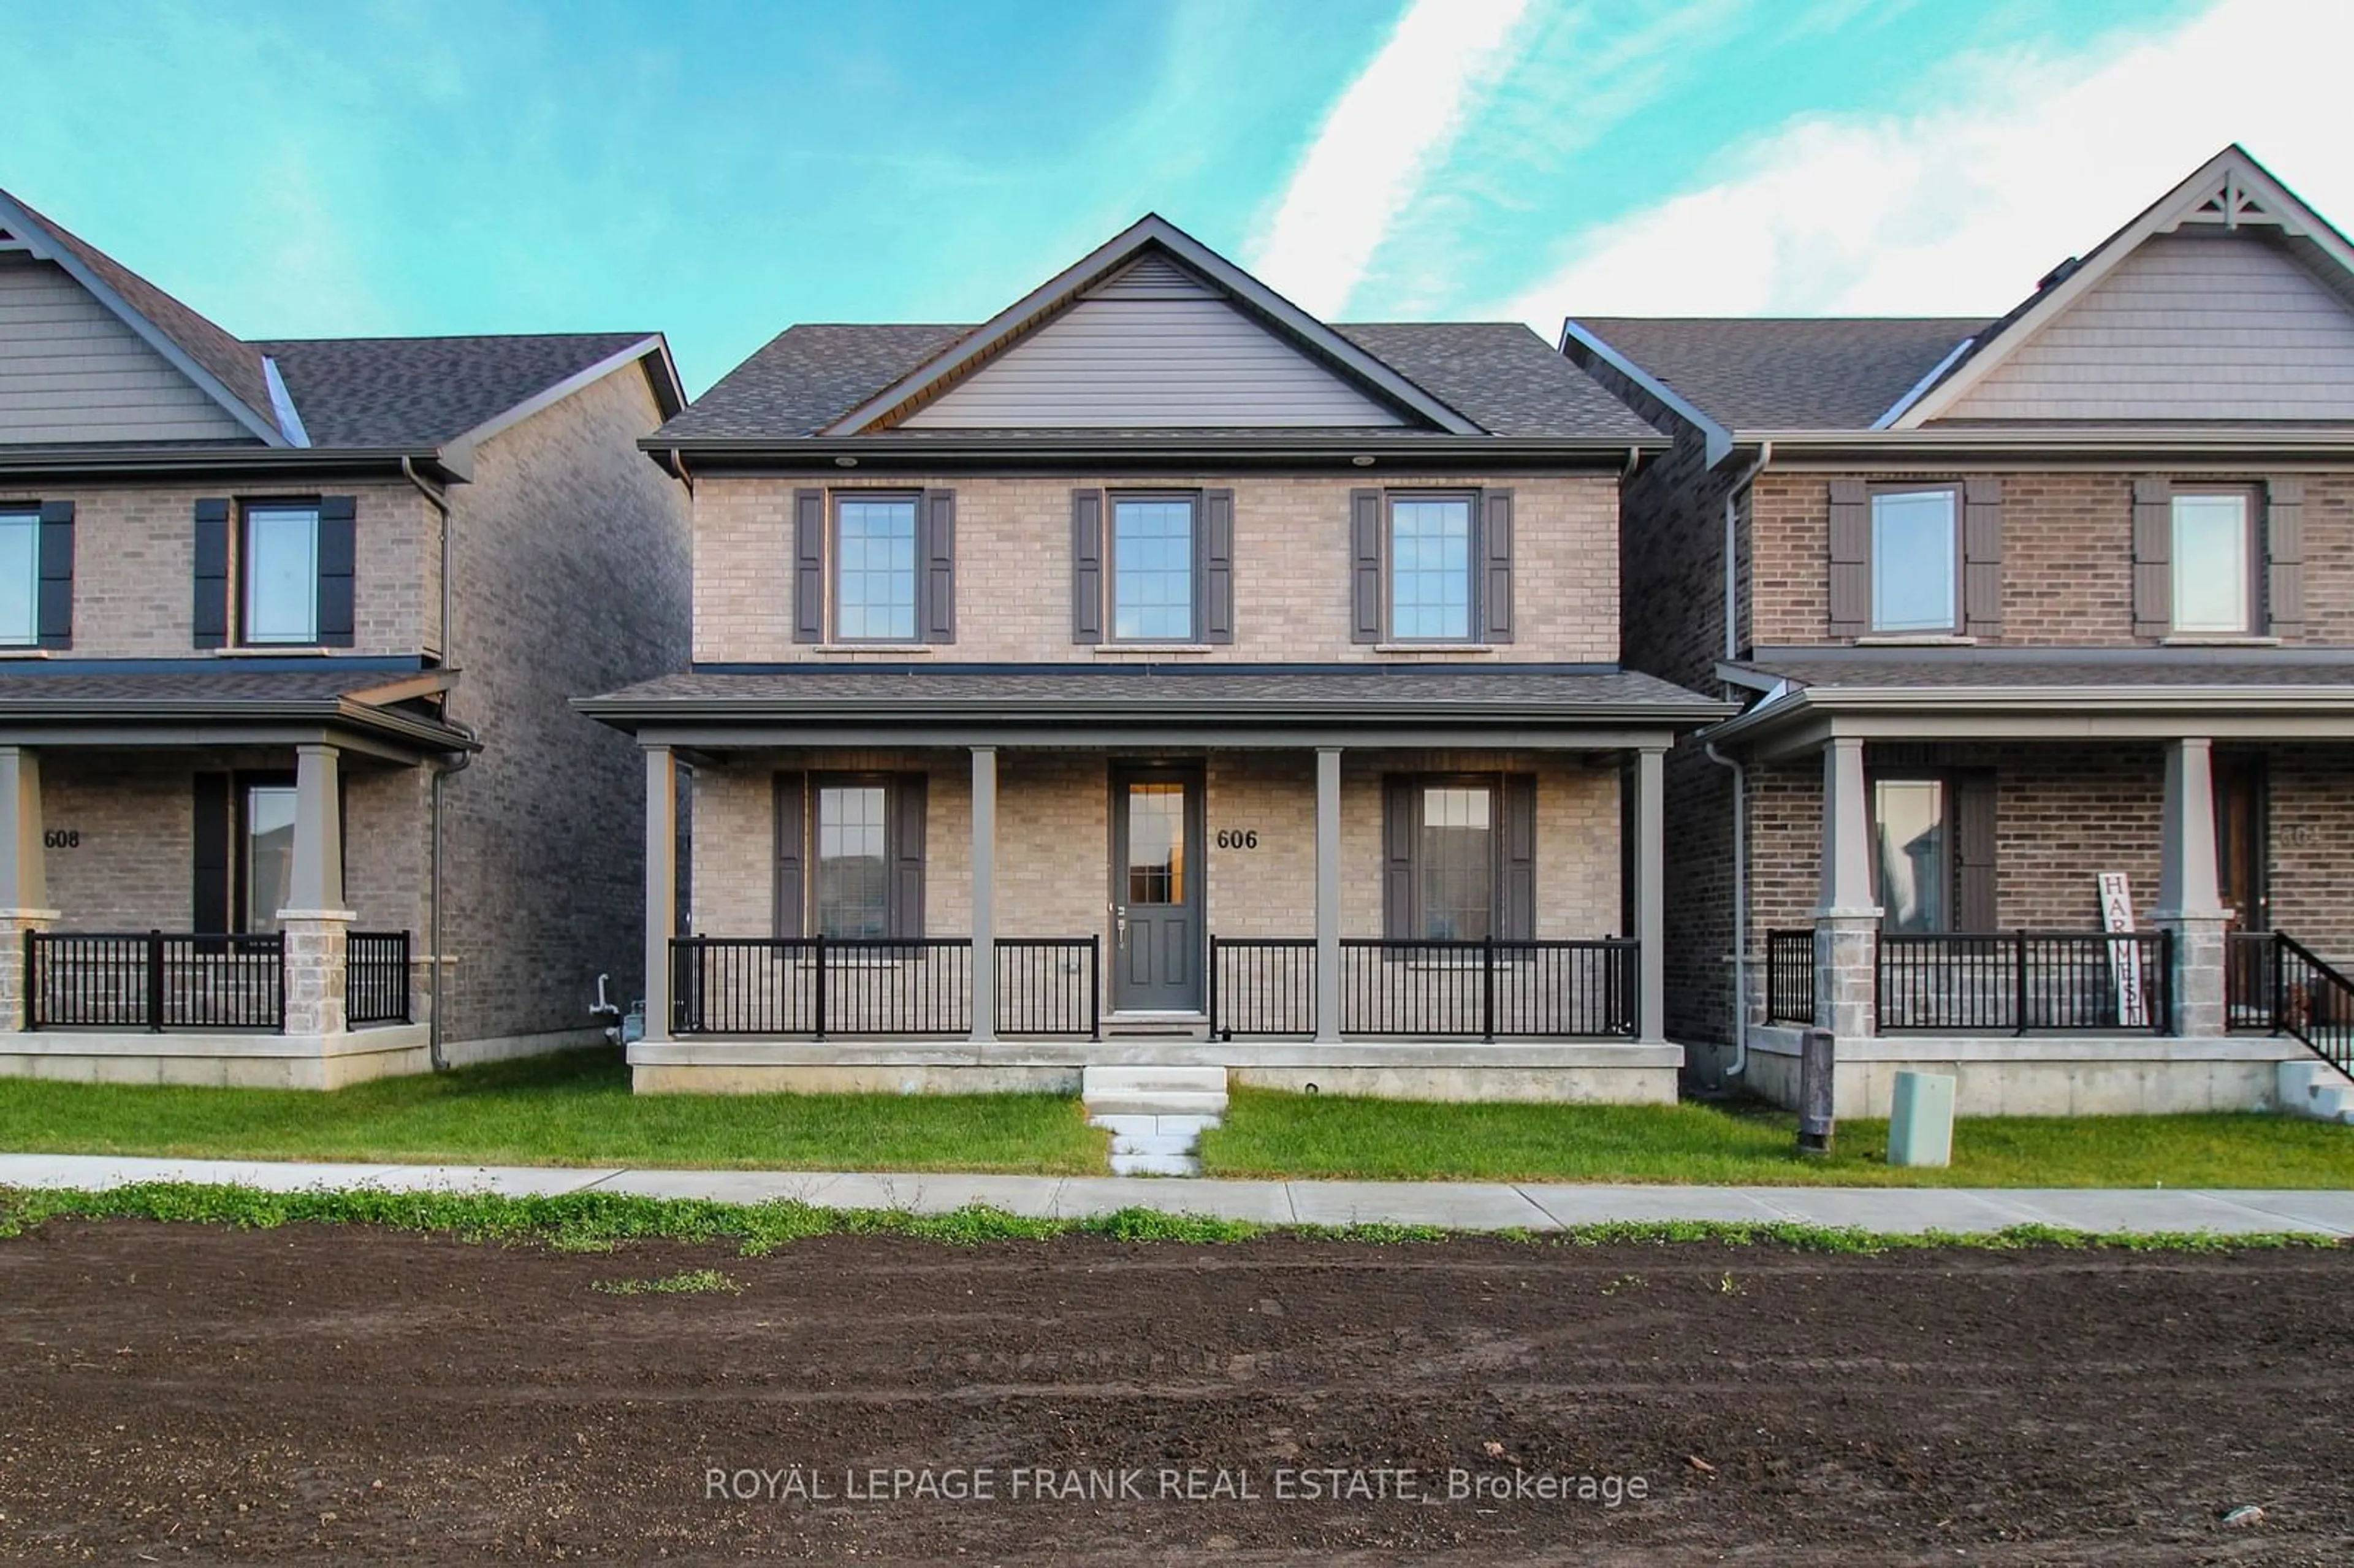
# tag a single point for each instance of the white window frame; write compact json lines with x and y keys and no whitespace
{"x":1952,"y":623}
{"x":2245,"y":555}
{"x":249,"y":559}
{"x":30,"y":519}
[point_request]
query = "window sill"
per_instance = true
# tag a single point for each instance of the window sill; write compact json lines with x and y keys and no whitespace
{"x":273,"y":651}
{"x":16,"y":653}
{"x":1916,"y":640}
{"x":1432,"y":648}
{"x":2217,"y":639}
{"x":892,"y":649}
{"x":1153,"y":650}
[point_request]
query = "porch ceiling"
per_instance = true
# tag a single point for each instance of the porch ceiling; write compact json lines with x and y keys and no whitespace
{"x":2239,"y":693}
{"x":1527,"y":706}
{"x":347,"y":701}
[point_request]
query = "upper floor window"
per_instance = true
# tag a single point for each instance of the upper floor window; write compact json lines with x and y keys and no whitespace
{"x":20,"y":577}
{"x":1915,"y":561}
{"x":1431,"y":583}
{"x":875,"y":574}
{"x":1152,"y":568}
{"x":2214,"y":559}
{"x":281,"y":552}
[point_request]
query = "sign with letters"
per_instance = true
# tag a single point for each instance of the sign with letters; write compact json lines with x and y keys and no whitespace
{"x":2125,"y":958}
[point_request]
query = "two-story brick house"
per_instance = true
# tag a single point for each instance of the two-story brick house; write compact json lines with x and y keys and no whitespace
{"x":2013,"y":604}
{"x":1243,"y":689}
{"x":291,"y":792}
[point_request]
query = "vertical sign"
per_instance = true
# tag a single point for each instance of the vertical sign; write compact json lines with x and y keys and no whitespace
{"x":2125,"y":958}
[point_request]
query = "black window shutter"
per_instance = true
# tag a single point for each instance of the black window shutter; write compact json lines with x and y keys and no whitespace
{"x":1850,"y":558}
{"x":338,"y":558}
{"x":937,"y":592}
{"x":1364,"y":566}
{"x":907,"y":798}
{"x":1519,"y":859}
{"x":1086,"y":565}
{"x":1399,"y":921}
{"x":2284,"y":558}
{"x":212,"y":576}
{"x":1495,"y":594}
{"x":1973,"y":851}
{"x":809,"y":566}
{"x":793,"y":840}
{"x":210,"y":836}
{"x":1982,"y":556}
{"x":57,"y":546}
{"x":2153,"y":554}
{"x":1216,"y":581}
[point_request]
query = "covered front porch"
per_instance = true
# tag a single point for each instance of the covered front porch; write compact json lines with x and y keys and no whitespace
{"x":213,"y":877}
{"x":1418,"y":901}
{"x":2076,"y":899}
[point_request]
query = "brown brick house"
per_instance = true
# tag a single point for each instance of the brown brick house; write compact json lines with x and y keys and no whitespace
{"x":2013,"y":604}
{"x":287,"y":631}
{"x":1155,"y":674}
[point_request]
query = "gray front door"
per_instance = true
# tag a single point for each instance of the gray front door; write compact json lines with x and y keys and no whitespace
{"x":1156,"y":890}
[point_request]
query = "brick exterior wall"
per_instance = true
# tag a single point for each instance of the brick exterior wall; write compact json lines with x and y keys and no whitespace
{"x":1054,"y":838}
{"x":134,"y":564}
{"x":571,"y":561}
{"x":1291,"y":567}
{"x":2312,"y":843}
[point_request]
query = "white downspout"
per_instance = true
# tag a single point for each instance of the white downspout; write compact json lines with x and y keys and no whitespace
{"x":1739,"y":774}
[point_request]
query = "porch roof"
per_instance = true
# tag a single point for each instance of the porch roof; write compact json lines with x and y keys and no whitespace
{"x":373,"y":705}
{"x":1263,"y":705}
{"x":1806,"y":695}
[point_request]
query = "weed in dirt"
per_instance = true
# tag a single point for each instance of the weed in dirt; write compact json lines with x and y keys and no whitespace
{"x":693,"y":1282}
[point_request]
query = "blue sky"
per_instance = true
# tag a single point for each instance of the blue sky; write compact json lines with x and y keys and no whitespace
{"x":719,"y":171}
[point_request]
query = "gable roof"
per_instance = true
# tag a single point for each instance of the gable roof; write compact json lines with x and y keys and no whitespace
{"x":1150,"y":237}
{"x":2229,"y":191}
{"x":1827,"y":373}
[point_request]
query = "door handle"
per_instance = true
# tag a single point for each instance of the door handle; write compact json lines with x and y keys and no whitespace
{"x":1120,"y":924}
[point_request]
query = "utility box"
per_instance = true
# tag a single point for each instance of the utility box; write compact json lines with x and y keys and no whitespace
{"x":1816,"y":1092}
{"x":1920,"y":1120}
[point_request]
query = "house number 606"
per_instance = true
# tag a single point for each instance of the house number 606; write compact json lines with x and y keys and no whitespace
{"x":1238,"y":838}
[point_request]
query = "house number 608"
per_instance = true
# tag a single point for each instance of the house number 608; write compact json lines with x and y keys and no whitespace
{"x":1238,"y":838}
{"x":61,"y":838}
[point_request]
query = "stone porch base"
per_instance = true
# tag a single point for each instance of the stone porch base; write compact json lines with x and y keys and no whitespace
{"x":1583,"y":1072}
{"x":234,"y":1061}
{"x":2135,"y":1074}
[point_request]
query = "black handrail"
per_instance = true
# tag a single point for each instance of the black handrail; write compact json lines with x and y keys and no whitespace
{"x":1789,"y":977}
{"x":154,"y":981}
{"x":810,"y":987}
{"x":2291,"y":990}
{"x":1428,"y":989}
{"x":2021,"y":982}
{"x":375,"y":977}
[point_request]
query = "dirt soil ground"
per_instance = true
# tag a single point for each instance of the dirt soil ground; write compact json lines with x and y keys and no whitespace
{"x":189,"y":1394}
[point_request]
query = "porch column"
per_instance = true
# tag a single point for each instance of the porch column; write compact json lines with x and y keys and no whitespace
{"x":984,"y":894}
{"x":1328,"y":895}
{"x":661,"y":885}
{"x":1650,"y":894}
{"x":24,"y":875}
{"x":2188,"y":904}
{"x":1847,"y":921}
{"x":314,"y":922}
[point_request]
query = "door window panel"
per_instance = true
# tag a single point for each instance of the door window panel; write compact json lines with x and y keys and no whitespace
{"x":269,"y":859}
{"x":1156,"y":842}
{"x":1911,"y":854}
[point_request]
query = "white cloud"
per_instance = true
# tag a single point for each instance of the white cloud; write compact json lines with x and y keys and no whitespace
{"x":1368,"y":161}
{"x":1960,"y":208}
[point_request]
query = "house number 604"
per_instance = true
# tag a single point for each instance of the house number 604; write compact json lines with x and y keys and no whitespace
{"x":1238,"y":838}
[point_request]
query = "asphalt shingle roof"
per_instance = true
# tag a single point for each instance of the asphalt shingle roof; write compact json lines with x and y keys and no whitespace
{"x":140,"y":682}
{"x":1498,"y":375}
{"x":1766,"y":373}
{"x":423,"y":391}
{"x":1989,"y":669}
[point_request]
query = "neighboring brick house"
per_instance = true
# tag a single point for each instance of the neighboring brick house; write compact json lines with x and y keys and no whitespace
{"x":288,"y":632}
{"x":1243,"y":688}
{"x":2013,"y":604}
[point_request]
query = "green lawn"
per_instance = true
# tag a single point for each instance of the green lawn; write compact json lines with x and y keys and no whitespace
{"x":569,"y":1109}
{"x":1273,"y":1133}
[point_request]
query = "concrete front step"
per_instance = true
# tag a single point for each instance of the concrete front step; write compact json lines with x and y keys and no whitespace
{"x":1155,"y":1091}
{"x":1165,"y":1102}
{"x":1155,"y":1165}
{"x":2314,"y":1089}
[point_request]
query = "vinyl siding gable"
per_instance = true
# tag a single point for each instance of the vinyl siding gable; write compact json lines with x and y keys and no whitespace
{"x":71,"y":371}
{"x":2190,"y":326}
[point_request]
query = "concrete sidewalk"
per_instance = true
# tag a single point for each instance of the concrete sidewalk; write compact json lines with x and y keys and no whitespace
{"x":1451,"y":1205}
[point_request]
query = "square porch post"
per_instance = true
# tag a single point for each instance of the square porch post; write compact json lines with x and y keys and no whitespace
{"x":24,"y":875}
{"x":662,"y":885}
{"x":984,"y":894}
{"x":2189,"y":902}
{"x":1328,"y":895}
{"x":314,"y":923}
{"x":1650,"y":894}
{"x":1847,"y":922}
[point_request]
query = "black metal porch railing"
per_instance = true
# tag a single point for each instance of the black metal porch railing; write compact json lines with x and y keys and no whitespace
{"x":375,"y":977}
{"x":2021,"y":982}
{"x":154,"y":981}
{"x":1790,"y":976}
{"x":1428,"y":990}
{"x":2272,"y":982}
{"x":818,"y":986}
